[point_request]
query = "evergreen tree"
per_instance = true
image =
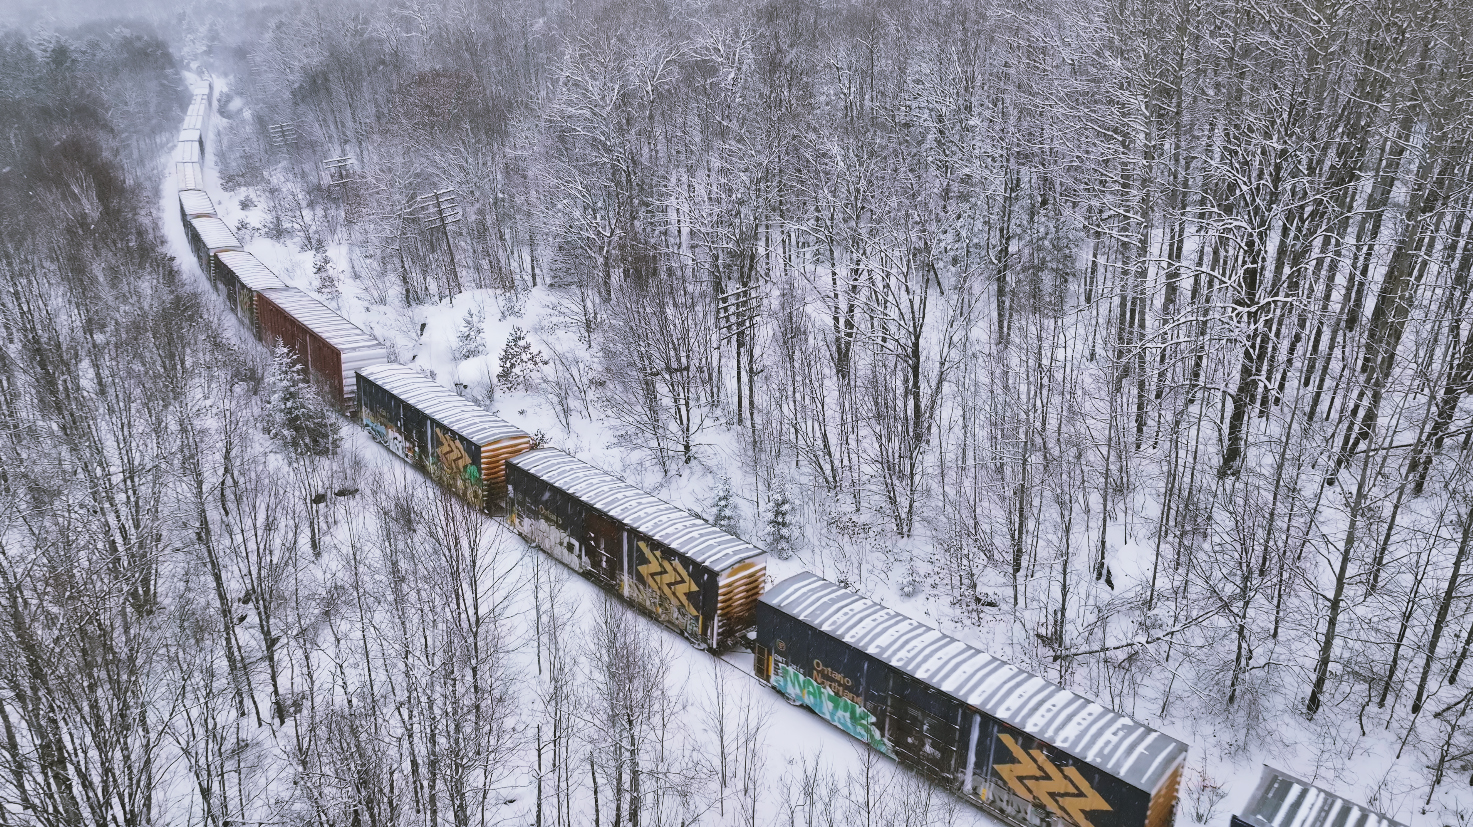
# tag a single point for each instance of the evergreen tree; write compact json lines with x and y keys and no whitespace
{"x":327,"y":276}
{"x":520,"y":364}
{"x":295,"y":416}
{"x":724,"y":512}
{"x":471,"y":341}
{"x":782,"y":534}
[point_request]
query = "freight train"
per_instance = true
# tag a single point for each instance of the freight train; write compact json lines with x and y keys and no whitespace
{"x":1022,"y":748}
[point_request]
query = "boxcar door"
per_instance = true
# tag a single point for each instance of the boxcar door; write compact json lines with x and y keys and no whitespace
{"x":604,"y":547}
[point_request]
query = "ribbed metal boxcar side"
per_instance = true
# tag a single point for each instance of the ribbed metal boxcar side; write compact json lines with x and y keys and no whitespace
{"x":452,"y":460}
{"x":999,"y":767}
{"x":843,"y":686}
{"x":320,"y":359}
{"x":664,"y":582}
{"x":547,"y":517}
{"x":670,"y":586}
{"x":996,"y":764}
{"x":396,"y":426}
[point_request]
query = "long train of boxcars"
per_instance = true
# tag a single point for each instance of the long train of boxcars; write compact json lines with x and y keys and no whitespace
{"x":1026,"y":750}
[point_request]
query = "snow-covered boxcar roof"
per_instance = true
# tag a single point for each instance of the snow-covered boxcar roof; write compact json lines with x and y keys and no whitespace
{"x":191,"y":176}
{"x":649,"y":515}
{"x":1284,"y":801}
{"x":196,"y":203}
{"x":1130,"y":751}
{"x":189,"y":134}
{"x":251,"y":272}
{"x":442,"y":405}
{"x":187,"y":152}
{"x":321,"y":319}
{"x":215,"y":235}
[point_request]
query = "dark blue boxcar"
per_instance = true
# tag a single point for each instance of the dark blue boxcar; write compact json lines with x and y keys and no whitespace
{"x":680,"y":569}
{"x":1282,"y":800}
{"x":1022,"y":747}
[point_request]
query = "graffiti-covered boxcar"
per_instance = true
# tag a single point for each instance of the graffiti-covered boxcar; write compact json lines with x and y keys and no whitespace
{"x":209,"y":236}
{"x":460,"y":446}
{"x":1281,"y":800}
{"x":240,"y":277}
{"x":685,"y":572}
{"x":1024,"y":748}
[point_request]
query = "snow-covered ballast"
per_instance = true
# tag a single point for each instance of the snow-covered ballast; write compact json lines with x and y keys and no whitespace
{"x":330,"y":347}
{"x":208,"y":237}
{"x":1020,"y":746}
{"x":240,"y":277}
{"x":460,"y":446}
{"x":687,"y":573}
{"x":1281,"y":800}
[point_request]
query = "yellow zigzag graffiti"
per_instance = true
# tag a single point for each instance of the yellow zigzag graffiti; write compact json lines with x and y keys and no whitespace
{"x":1064,"y":792}
{"x":667,"y":577}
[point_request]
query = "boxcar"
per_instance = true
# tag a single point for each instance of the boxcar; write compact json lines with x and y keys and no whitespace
{"x":193,"y":136}
{"x":208,"y":236}
{"x":189,"y":175}
{"x":460,"y":446}
{"x":240,"y":277}
{"x":685,"y":572}
{"x":1282,"y":800}
{"x":1023,"y":748}
{"x":187,"y":152}
{"x":194,"y":204}
{"x":332,"y":348}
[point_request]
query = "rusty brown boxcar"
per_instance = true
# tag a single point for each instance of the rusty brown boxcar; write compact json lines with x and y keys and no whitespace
{"x":329,"y":346}
{"x":1027,"y":750}
{"x":685,"y":572}
{"x":460,"y":446}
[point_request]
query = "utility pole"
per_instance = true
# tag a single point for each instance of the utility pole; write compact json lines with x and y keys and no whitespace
{"x":438,"y":210}
{"x":283,"y":135}
{"x":338,"y":170}
{"x":736,"y":316}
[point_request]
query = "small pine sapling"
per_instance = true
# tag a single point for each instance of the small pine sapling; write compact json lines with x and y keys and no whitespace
{"x":782,"y":534}
{"x":327,"y":276}
{"x":724,"y":512}
{"x":521,"y":366}
{"x":470,"y":342}
{"x":295,"y":416}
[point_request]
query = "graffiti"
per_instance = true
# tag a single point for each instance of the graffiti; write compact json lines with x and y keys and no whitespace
{"x":387,"y":435}
{"x":839,"y":711}
{"x":1034,"y":777}
{"x":543,"y":530}
{"x":452,"y":466}
{"x":667,"y":577}
{"x":454,"y":460}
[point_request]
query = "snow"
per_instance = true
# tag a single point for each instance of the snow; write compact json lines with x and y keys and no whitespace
{"x":1368,"y":768}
